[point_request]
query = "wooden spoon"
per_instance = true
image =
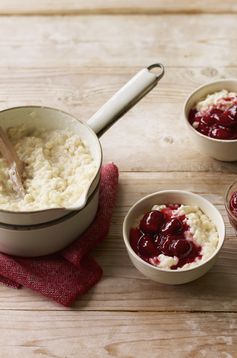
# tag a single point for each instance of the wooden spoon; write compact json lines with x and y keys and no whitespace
{"x":16,"y":166}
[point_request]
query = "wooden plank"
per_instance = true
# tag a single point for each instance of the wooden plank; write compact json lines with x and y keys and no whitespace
{"x":156,"y":122}
{"x":77,"y":65}
{"x":112,"y":334}
{"x":117,"y":41}
{"x":216,"y":291}
{"x":72,"y":7}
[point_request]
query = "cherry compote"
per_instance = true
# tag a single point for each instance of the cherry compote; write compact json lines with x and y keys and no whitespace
{"x":233,"y":203}
{"x":163,"y":232}
{"x":217,"y":121}
{"x":233,"y":208}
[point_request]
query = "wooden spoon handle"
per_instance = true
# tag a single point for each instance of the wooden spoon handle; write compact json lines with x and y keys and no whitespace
{"x":16,"y":166}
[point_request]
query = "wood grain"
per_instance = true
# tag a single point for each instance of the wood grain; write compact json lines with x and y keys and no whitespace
{"x":76,"y":63}
{"x":114,"y":7}
{"x":117,"y":335}
{"x":118,"y":41}
{"x":216,"y":291}
{"x":59,"y":68}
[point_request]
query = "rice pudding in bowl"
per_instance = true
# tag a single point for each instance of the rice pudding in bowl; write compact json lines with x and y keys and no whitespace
{"x":173,"y":243}
{"x":210,"y":113}
{"x":174,"y":236}
{"x":58,"y":168}
{"x":216,"y":115}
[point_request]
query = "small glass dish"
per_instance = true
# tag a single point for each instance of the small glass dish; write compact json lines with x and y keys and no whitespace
{"x":232,"y":218}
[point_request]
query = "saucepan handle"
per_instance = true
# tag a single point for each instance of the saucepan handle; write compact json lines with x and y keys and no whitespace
{"x":134,"y":90}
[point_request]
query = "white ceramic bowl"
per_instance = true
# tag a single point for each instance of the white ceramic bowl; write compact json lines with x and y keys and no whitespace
{"x":172,"y":196}
{"x":225,"y":150}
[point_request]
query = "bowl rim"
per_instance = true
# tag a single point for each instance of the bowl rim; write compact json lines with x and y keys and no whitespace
{"x":188,"y":98}
{"x":35,"y":212}
{"x":158,"y":269}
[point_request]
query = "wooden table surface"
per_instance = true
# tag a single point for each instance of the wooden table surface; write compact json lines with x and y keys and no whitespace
{"x":74,"y":54}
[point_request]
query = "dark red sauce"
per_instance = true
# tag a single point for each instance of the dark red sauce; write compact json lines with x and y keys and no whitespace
{"x":233,"y":203}
{"x":160,"y":232}
{"x":233,"y":209}
{"x":217,"y":121}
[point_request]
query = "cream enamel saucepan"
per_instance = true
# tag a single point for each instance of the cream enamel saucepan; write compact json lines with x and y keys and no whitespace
{"x":51,"y":118}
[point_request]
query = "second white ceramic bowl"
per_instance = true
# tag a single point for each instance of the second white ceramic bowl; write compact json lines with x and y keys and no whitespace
{"x":164,"y":197}
{"x":225,"y":150}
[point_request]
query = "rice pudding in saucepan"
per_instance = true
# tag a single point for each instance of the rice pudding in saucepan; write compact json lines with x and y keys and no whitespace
{"x":174,"y":236}
{"x":58,"y":167}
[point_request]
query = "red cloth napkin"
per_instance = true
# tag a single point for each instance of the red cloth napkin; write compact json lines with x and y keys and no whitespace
{"x":71,"y":272}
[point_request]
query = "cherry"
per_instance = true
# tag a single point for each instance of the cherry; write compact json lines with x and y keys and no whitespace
{"x":215,"y":113}
{"x":192,"y":115}
{"x":221,"y":133}
{"x":208,"y":120}
{"x":146,"y":247}
{"x":134,"y":237}
{"x":194,"y":253}
{"x":203,"y":128}
{"x":159,"y":240}
{"x":218,"y":121}
{"x":168,"y":212}
{"x":152,"y":222}
{"x":173,"y":226}
{"x":234,"y":131}
{"x":160,"y":232}
{"x":233,"y":203}
{"x":226,"y":119}
{"x":212,"y":117}
{"x":166,"y":246}
{"x":181,"y":248}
